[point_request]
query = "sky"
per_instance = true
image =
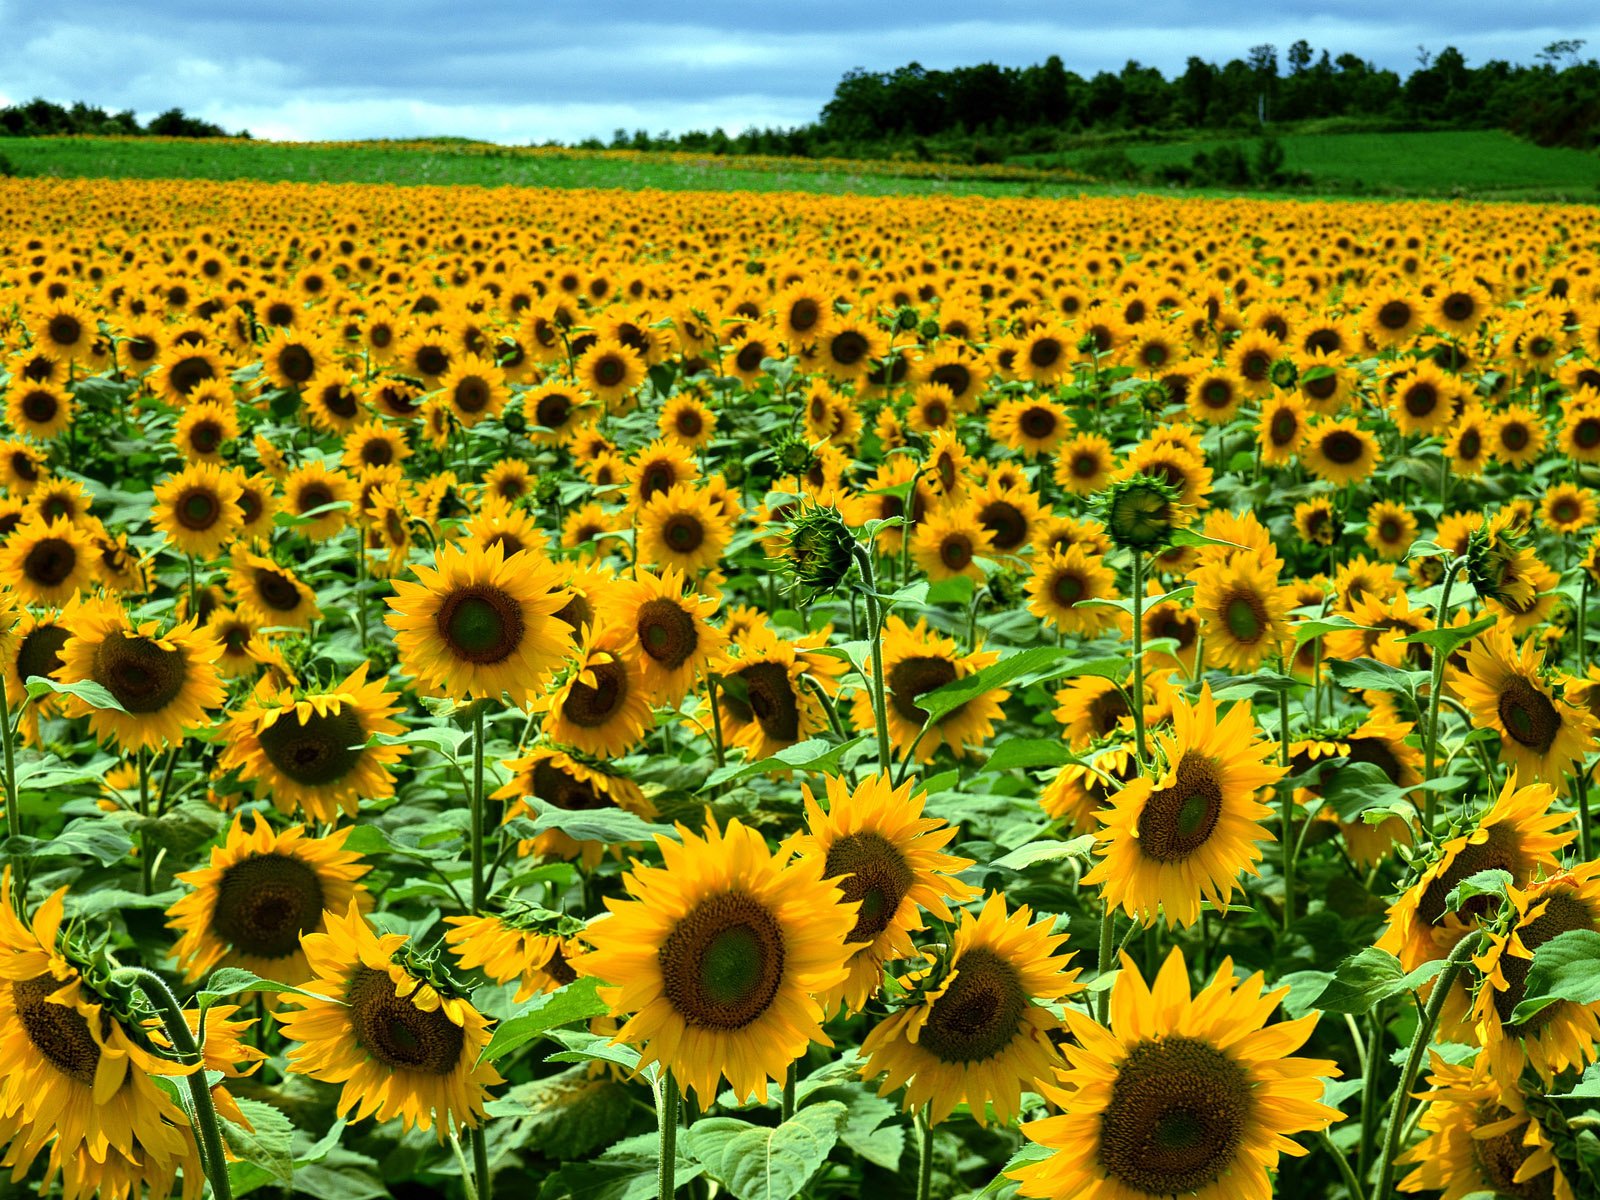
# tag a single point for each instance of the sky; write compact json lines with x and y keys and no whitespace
{"x":517,"y":72}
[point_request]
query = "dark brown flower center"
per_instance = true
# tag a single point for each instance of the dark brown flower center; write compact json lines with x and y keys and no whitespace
{"x":667,"y":632}
{"x":1500,"y":851}
{"x":912,"y":677}
{"x":265,"y":902}
{"x":50,"y":561}
{"x":1528,"y":714}
{"x":480,"y":623}
{"x":396,"y":1032}
{"x":723,"y":962}
{"x":1176,"y":821}
{"x":875,"y":874}
{"x":59,"y":1033}
{"x":1343,"y":448}
{"x":591,"y":706}
{"x":276,"y":591}
{"x":143,"y":676}
{"x":322,"y":750}
{"x":980,"y":1012}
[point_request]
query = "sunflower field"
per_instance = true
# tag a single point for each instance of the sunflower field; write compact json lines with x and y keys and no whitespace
{"x":616,"y":695}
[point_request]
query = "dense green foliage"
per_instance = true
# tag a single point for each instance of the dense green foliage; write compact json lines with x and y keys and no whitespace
{"x":43,"y":118}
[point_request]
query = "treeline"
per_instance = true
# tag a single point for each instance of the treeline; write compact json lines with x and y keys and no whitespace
{"x":993,"y":111}
{"x":44,"y":118}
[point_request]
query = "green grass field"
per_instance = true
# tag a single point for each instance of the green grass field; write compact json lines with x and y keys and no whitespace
{"x":1482,"y":165}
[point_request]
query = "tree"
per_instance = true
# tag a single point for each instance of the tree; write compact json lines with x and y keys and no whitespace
{"x":1299,"y":57}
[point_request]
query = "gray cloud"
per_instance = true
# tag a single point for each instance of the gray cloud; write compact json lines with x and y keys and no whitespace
{"x":517,"y":72}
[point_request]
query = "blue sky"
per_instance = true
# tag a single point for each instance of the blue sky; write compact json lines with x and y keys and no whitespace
{"x":518,"y":72}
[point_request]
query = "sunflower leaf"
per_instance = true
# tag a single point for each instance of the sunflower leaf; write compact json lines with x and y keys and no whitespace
{"x":1046,"y":851}
{"x":1039,"y":663}
{"x":1030,"y":752}
{"x":817,"y":756}
{"x":1483,"y":883}
{"x":90,"y":692}
{"x":577,"y":1001}
{"x":1308,"y":630}
{"x":1368,"y":674}
{"x":759,"y":1162}
{"x":1567,"y":967}
{"x":1366,"y":979}
{"x":613,"y":826}
{"x":235,"y":981}
{"x":1447,"y":639}
{"x":1190,"y":537}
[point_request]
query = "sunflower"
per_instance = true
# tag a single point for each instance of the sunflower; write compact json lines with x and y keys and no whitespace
{"x":316,"y":751}
{"x":848,"y":350}
{"x":1009,"y":511}
{"x":603,"y":706}
{"x":270,"y":594}
{"x":1517,"y":835}
{"x":1079,"y":790}
{"x":1458,"y":306}
{"x":65,"y":330}
{"x":32,"y":650}
{"x":474,"y":388}
{"x":1061,"y":581}
{"x":668,"y":627}
{"x":718,"y":958}
{"x":373,"y":444}
{"x":505,"y":950}
{"x":588,"y":528}
{"x":166,"y":682}
{"x":238,"y":640}
{"x":1340,"y":452}
{"x":949,"y":543}
{"x":687,"y":420}
{"x":890,"y":859}
{"x":1242,"y":610}
{"x":976,"y":1029}
{"x":767,"y":704}
{"x":204,"y":429}
{"x":1516,"y":436}
{"x":1318,"y":522}
{"x":1390,"y":529}
{"x":1391,"y":317}
{"x":313,"y":489}
{"x":22,"y":466}
{"x":933,"y":407}
{"x":1541,"y":734}
{"x":1183,"y":1095}
{"x":918,"y":660}
{"x":61,"y":499}
{"x":563,"y":782}
{"x":1423,"y":399}
{"x":1032,"y":425}
{"x":333,"y":402}
{"x":681,"y":528}
{"x":479,"y":624}
{"x":198,"y":509}
{"x":258,"y":504}
{"x":38,"y":409}
{"x":183,"y":369}
{"x":1173,"y":463}
{"x":260,"y":893}
{"x":1084,"y":464}
{"x":610,"y":371}
{"x":48,"y":561}
{"x":802,"y":313}
{"x":1568,"y":509}
{"x":291,"y":359}
{"x":70,"y":1066}
{"x":401,"y":1044}
{"x":1169,"y":842}
{"x":512,"y":529}
{"x":1044,"y":355}
{"x":1250,"y":357}
{"x":1481,"y":1139}
{"x":955,"y":367}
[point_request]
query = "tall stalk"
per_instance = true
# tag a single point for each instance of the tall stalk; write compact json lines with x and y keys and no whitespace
{"x":667,"y":1125}
{"x":880,"y":710}
{"x":475,"y":1135}
{"x":1137,"y":600}
{"x":1430,"y":740}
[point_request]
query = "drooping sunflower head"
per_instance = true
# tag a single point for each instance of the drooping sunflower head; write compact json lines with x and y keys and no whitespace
{"x":602,"y":707}
{"x":1142,"y":512}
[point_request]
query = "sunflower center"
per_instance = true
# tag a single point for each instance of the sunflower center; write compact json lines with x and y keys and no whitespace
{"x":1395,"y":315}
{"x":480,"y":623}
{"x":143,"y":676}
{"x":954,"y":376}
{"x":1283,"y":427}
{"x":683,"y":533}
{"x":723,"y":962}
{"x":297,"y":364}
{"x":1067,"y":589}
{"x":804,"y":314}
{"x":1563,"y":912}
{"x":50,"y":561}
{"x":1177,"y":1115}
{"x":40,"y":652}
{"x":560,"y":790}
{"x":313,"y":496}
{"x":396,"y":1032}
{"x":1177,"y":821}
{"x":377,"y":452}
{"x":264,"y":904}
{"x":432,"y":360}
{"x":276,"y":590}
{"x":773,"y":702}
{"x":1037,"y":423}
{"x":189,"y":373}
{"x":1457,"y":306}
{"x":1342,"y":448}
{"x":65,"y":329}
{"x":340,"y":401}
{"x":1500,"y":851}
{"x":39,"y":406}
{"x":198,"y":510}
{"x":552,"y":411}
{"x":666,"y":632}
{"x":322,"y":750}
{"x":610,"y":371}
{"x":1502,"y":1156}
{"x":979,"y":1014}
{"x":591,"y":707}
{"x":955,"y":552}
{"x":1528,"y":715}
{"x":1322,"y":387}
{"x":1006,"y":522}
{"x":205,"y":437}
{"x":1255,"y":365}
{"x":58,"y":1032}
{"x":1243,"y":615}
{"x":875,"y":874}
{"x":1564,"y":510}
{"x":911,"y":677}
{"x":1045,"y":352}
{"x":1421,"y":399}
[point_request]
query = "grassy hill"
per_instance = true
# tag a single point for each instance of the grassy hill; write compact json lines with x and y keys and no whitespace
{"x":1487,"y":165}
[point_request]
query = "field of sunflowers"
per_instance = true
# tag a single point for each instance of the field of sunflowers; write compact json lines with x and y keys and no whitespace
{"x":615,"y":695}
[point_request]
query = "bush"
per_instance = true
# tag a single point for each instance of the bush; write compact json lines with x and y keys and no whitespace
{"x":7,"y":167}
{"x":1109,"y":162}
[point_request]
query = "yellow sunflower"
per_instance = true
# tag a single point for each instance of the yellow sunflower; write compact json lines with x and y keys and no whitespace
{"x":977,"y":1029}
{"x":48,"y":562}
{"x":312,"y":489}
{"x":1084,"y":464}
{"x":610,"y":371}
{"x":478,"y":624}
{"x":563,"y":782}
{"x":767,"y":702}
{"x":950,"y":542}
{"x":1061,"y":581}
{"x":890,"y":859}
{"x":504,"y":950}
{"x":316,"y":752}
{"x":1340,"y":451}
{"x":204,"y":429}
{"x":1183,"y":1095}
{"x":1031,"y":425}
{"x":261,"y":891}
{"x":603,"y":706}
{"x":681,"y":528}
{"x":1391,"y":529}
{"x":1541,"y":734}
{"x":198,"y":509}
{"x":38,"y":409}
{"x":669,"y":628}
{"x":271,"y":594}
{"x":916,"y":660}
{"x":400,"y":1043}
{"x":1168,"y":843}
{"x":718,"y":957}
{"x":1243,"y":612}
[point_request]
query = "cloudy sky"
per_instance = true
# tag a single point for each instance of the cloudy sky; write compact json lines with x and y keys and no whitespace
{"x":520,"y":70}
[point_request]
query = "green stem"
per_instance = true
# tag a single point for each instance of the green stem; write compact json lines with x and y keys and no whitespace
{"x":13,"y":812}
{"x":480,"y":1161}
{"x":146,"y":868}
{"x":1581,"y":784}
{"x":880,"y":709}
{"x":194,"y":591}
{"x":1108,"y":923}
{"x":361,"y":585}
{"x":1351,"y":1183}
{"x":1286,"y":806}
{"x":1137,"y":600}
{"x":1583,"y":633}
{"x":207,"y":1129}
{"x":1369,"y":1095}
{"x":716,"y":720}
{"x":1430,"y":740}
{"x":925,"y":1158}
{"x":667,"y":1122}
{"x":477,"y":806}
{"x":1419,"y":1045}
{"x":787,"y":1108}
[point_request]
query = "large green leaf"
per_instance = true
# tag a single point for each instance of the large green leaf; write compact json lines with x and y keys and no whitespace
{"x":1040,"y":662}
{"x":1567,"y":967}
{"x":762,"y":1162}
{"x":818,"y":756}
{"x":575,"y":1002}
{"x":1368,"y":978}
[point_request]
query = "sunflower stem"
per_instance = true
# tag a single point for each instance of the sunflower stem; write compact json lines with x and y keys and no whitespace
{"x":1581,"y":786}
{"x":1430,"y":743}
{"x":1286,"y":806}
{"x":194,"y":591}
{"x":1137,"y":600}
{"x":880,"y":709}
{"x":1583,"y":632}
{"x":203,"y":1114}
{"x":789,"y":1078}
{"x":667,"y":1123}
{"x":361,"y":585}
{"x":925,"y":1158}
{"x":146,"y":873}
{"x":477,"y":807}
{"x":1108,"y":928}
{"x":480,"y":1161}
{"x":13,"y":813}
{"x":1351,"y":1183}
{"x":716,"y":720}
{"x":1369,"y":1096}
{"x":1419,"y":1045}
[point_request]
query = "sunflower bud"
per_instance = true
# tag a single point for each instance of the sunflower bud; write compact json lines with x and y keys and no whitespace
{"x":821,"y":549}
{"x":792,"y":454}
{"x":1153,"y":396}
{"x":928,"y":330}
{"x":906,"y":319}
{"x":1499,"y":562}
{"x":1088,"y":344}
{"x":1141,"y":513}
{"x":1284,"y":374}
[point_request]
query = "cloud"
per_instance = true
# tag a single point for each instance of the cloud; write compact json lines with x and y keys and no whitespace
{"x":509,"y":71}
